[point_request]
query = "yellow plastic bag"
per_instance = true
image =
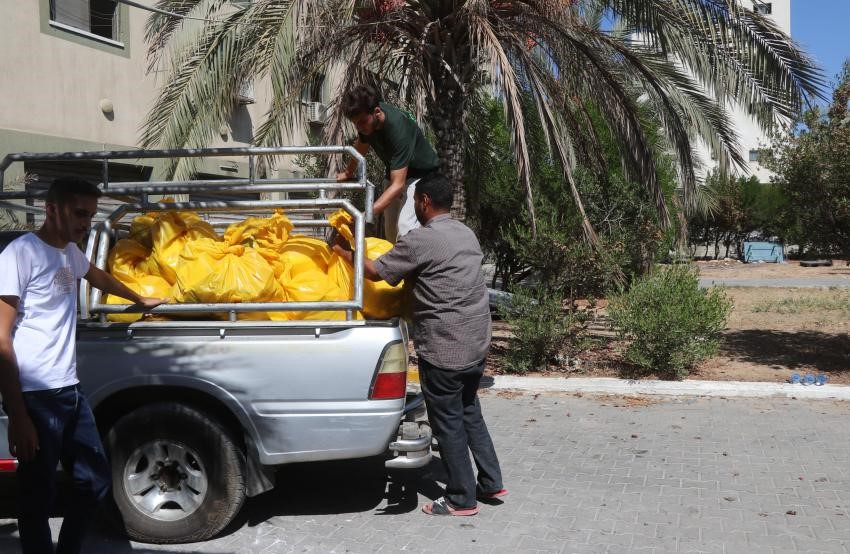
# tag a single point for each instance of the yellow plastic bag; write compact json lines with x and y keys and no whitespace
{"x":342,"y":222}
{"x":380,"y":299}
{"x":301,"y":254}
{"x":145,"y":285}
{"x":309,"y":286}
{"x":169,"y":234}
{"x":127,"y":260}
{"x":212,"y":271}
{"x":341,"y":273}
{"x":140,"y":229}
{"x":261,"y":232}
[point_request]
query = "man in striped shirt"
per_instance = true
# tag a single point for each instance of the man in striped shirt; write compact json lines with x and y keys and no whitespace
{"x":451,"y":334}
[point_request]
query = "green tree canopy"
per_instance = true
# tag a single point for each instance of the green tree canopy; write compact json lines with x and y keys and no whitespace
{"x":681,"y":60}
{"x":812,"y":168}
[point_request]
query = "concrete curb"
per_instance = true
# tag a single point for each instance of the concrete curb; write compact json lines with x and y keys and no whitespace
{"x":607,"y":385}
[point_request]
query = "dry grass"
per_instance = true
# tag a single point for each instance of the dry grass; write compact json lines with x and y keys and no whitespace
{"x":772,"y":332}
{"x":807,"y":302}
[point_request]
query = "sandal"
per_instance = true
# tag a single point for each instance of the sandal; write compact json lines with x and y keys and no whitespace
{"x":492,"y":495}
{"x":441,"y":507}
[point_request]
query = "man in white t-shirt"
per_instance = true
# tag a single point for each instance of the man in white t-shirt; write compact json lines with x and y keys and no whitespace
{"x":50,"y":421}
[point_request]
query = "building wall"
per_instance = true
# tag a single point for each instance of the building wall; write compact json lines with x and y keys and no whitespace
{"x":56,"y":82}
{"x":750,"y":135}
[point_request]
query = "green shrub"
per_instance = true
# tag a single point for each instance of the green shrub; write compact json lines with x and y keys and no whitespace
{"x":670,"y":322}
{"x":542,"y":329}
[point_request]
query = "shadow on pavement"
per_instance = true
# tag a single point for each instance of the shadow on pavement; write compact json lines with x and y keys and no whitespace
{"x":340,"y":487}
{"x":781,"y":349}
{"x":322,"y":488}
{"x":100,"y":541}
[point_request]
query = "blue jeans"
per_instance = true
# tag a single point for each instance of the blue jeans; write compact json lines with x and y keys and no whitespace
{"x":451,"y":396}
{"x":67,"y":434}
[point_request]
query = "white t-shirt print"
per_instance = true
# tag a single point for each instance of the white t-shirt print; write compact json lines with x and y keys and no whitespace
{"x":44,"y":279}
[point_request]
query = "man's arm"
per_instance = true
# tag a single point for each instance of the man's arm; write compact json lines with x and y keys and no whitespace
{"x":397,"y":179}
{"x":110,"y":285}
{"x":348,"y":255}
{"x":348,"y":174}
{"x":23,"y":438}
{"x":399,"y":263}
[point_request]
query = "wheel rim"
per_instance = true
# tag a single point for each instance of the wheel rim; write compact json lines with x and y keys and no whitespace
{"x":165,"y":480}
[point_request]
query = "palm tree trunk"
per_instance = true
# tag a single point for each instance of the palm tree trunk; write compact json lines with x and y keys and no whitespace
{"x":447,"y":118}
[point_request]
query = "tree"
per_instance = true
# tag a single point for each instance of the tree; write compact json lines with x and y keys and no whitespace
{"x":741,"y":208}
{"x":630,"y":235}
{"x":689,"y":59}
{"x":812,"y":168}
{"x":495,"y":201}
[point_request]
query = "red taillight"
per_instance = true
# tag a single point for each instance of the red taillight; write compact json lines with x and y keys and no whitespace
{"x":8,"y":465}
{"x":389,"y":385}
{"x":391,"y":379}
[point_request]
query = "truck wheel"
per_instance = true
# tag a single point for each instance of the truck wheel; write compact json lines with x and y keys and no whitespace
{"x":177,"y":475}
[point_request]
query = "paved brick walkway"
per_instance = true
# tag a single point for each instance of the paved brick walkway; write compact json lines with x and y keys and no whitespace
{"x":586,"y":474}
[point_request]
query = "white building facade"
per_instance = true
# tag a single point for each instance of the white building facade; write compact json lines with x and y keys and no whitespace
{"x":751,"y":138}
{"x":75,"y":78}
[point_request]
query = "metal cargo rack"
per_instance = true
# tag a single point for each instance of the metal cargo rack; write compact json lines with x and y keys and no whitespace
{"x":135,"y":198}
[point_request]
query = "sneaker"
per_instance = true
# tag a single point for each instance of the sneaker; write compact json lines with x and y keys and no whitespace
{"x":441,"y":507}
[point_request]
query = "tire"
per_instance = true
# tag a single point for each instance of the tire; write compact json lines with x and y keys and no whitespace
{"x":177,"y":475}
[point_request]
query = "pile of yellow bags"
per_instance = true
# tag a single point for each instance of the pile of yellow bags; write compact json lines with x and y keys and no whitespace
{"x":380,"y":299}
{"x":180,"y":256}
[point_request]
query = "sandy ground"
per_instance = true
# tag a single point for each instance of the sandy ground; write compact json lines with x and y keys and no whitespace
{"x":775,"y":332}
{"x":733,"y":269}
{"x":771,"y":333}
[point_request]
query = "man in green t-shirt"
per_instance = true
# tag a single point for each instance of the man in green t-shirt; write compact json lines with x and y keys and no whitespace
{"x":400,"y":144}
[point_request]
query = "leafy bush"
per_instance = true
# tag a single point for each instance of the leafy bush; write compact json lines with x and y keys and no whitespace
{"x":542,"y":329}
{"x":670,"y":321}
{"x":562,"y":262}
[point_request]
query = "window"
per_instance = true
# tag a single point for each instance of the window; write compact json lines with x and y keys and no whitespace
{"x":311,"y":98}
{"x":91,"y":17}
{"x":313,"y":91}
{"x":765,"y":8}
{"x":755,"y":155}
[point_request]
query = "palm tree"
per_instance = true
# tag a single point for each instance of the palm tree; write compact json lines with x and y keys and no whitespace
{"x":683,"y":61}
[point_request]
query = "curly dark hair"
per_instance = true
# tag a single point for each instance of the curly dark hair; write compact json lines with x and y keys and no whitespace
{"x":360,"y":99}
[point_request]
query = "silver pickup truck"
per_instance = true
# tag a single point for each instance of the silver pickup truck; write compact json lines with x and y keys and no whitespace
{"x":196,"y":414}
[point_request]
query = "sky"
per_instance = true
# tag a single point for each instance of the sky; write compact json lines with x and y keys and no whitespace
{"x":822,"y":28}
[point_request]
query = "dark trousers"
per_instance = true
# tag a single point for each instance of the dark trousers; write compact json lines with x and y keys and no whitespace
{"x":66,"y":434}
{"x":454,"y":412}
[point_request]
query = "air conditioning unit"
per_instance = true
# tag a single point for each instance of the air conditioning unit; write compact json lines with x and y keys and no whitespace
{"x":246,"y":92}
{"x":316,"y":112}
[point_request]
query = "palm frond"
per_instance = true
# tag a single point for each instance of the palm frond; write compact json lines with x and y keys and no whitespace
{"x":487,"y":44}
{"x":667,"y":68}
